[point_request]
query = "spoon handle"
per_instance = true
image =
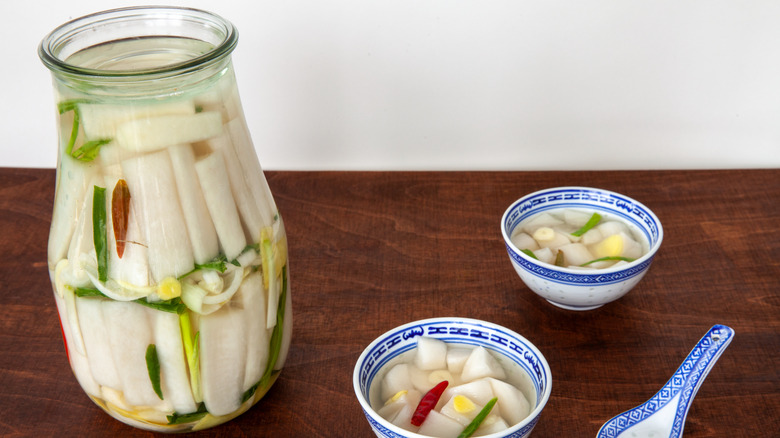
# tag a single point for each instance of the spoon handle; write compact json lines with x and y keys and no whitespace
{"x":695,"y":368}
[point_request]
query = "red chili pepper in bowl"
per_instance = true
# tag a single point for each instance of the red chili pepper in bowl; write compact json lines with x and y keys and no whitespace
{"x":428,"y":402}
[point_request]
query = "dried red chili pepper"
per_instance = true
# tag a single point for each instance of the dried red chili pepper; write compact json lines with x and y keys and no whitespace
{"x":428,"y":402}
{"x":120,"y":211}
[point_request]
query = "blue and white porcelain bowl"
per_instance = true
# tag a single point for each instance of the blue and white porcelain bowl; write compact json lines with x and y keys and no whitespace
{"x":372,"y":364}
{"x":581,"y":289}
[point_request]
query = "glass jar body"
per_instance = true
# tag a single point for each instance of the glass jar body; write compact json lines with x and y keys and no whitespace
{"x":167,"y":254}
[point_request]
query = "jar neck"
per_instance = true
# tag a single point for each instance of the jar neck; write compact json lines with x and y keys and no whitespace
{"x":139,"y":52}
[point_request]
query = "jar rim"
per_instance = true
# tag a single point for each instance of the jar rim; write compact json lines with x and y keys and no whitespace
{"x":223,"y":32}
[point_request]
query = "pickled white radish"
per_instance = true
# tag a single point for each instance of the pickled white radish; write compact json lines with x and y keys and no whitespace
{"x":403,"y":418}
{"x":431,"y":354}
{"x":576,"y":218}
{"x":96,"y":342}
{"x":492,"y":424}
{"x":575,"y":254}
{"x":252,"y":300}
{"x":545,"y":255}
{"x":78,"y":361}
{"x":247,"y":157}
{"x":130,"y":333}
{"x":437,"y":424}
{"x":591,"y":236}
{"x":72,"y":318}
{"x":541,"y":220}
{"x":525,"y":241}
{"x":82,"y":241}
{"x":479,"y":391}
{"x":73,"y":186}
{"x":203,"y":235}
{"x":214,"y":181}
{"x":154,"y":197}
{"x":610,"y":228}
{"x":155,"y":133}
{"x":173,"y":367}
{"x":394,"y":405}
{"x":456,"y":358}
{"x":395,"y":380}
{"x":512,"y":403}
{"x":482,"y":364}
{"x":223,"y":353}
{"x":100,"y":121}
{"x":245,"y":202}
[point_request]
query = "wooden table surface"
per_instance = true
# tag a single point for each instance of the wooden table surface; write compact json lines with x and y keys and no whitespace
{"x":373,"y":250}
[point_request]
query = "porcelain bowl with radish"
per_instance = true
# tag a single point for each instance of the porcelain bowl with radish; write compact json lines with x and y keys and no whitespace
{"x":581,"y":288}
{"x":508,"y":347}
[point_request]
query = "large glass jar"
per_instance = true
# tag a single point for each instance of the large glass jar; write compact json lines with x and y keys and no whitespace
{"x":167,"y":254}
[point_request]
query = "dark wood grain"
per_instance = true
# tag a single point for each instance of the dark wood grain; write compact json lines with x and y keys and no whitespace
{"x":373,"y":250}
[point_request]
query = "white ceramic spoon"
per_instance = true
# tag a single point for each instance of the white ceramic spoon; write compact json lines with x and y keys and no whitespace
{"x":663,"y":416}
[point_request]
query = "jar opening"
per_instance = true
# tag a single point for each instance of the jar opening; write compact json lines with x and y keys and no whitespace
{"x":138,"y":41}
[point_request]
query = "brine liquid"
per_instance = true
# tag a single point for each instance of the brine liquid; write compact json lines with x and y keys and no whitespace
{"x":140,"y":53}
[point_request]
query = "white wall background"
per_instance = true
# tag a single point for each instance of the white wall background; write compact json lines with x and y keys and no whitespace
{"x":456,"y":84}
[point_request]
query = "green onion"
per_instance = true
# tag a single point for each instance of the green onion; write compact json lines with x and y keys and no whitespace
{"x":89,"y":150}
{"x":477,"y":421}
{"x":99,"y":231}
{"x":177,"y":418}
{"x":191,"y":352}
{"x":609,"y":259}
{"x":529,"y":253}
{"x":153,"y":367}
{"x":174,"y":305}
{"x":218,"y":263}
{"x":559,"y":258}
{"x":84,"y":292}
{"x":588,"y":225}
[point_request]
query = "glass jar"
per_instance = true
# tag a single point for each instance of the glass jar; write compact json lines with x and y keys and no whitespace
{"x":167,"y":254}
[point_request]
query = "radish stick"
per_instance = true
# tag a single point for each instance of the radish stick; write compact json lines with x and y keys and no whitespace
{"x":222,"y":359}
{"x":170,"y":351}
{"x":101,"y":120}
{"x":73,"y":179}
{"x":219,"y":200}
{"x":130,"y":334}
{"x":155,"y":200}
{"x":78,"y":361}
{"x":98,"y":348}
{"x":247,"y":157}
{"x":253,"y":302}
{"x":156,"y":133}
{"x":82,"y":242}
{"x":250,"y":212}
{"x":203,"y":236}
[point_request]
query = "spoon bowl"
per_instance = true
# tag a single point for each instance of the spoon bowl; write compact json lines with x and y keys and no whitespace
{"x":663,"y":416}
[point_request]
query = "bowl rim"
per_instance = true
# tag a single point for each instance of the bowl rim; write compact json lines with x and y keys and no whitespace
{"x":652,"y":250}
{"x":532,"y":416}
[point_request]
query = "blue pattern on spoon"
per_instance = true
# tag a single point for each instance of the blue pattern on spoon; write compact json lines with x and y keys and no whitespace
{"x":664,"y":414}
